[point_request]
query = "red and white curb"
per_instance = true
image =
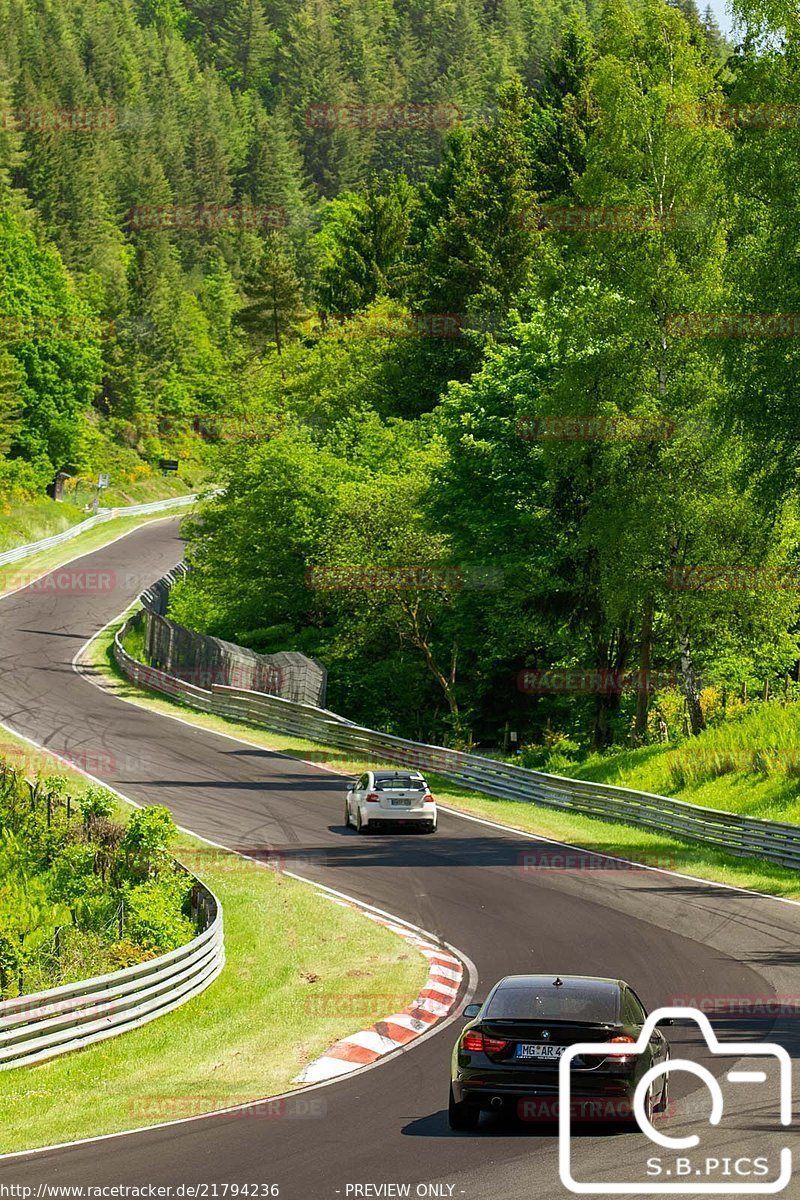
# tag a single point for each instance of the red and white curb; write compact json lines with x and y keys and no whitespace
{"x":437,"y":998}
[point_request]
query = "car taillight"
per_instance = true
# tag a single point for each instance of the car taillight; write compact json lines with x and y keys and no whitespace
{"x":474,"y":1040}
{"x":428,"y":799}
{"x":622,"y":1040}
{"x":373,"y":798}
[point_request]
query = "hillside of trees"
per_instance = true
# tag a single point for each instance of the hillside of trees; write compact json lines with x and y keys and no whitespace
{"x":163,"y":170}
{"x":449,"y":291}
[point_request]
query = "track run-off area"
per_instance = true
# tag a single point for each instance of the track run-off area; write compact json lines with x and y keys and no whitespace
{"x":667,"y":935}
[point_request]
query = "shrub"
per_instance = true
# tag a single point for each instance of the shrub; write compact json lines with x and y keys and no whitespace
{"x":147,"y":838}
{"x":154,"y":919}
{"x":96,"y":804}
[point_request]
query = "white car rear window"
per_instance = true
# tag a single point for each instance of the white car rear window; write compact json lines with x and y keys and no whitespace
{"x":401,"y":783}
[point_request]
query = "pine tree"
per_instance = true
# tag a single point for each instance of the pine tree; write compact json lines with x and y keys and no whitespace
{"x":478,"y":234}
{"x":248,"y":46}
{"x":562,"y":116}
{"x":718,"y":43}
{"x":11,"y":147}
{"x":273,"y":295}
{"x":361,"y":245}
{"x":317,"y":89}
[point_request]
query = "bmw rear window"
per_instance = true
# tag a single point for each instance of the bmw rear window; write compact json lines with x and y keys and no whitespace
{"x":548,"y":1003}
{"x":400,"y":783}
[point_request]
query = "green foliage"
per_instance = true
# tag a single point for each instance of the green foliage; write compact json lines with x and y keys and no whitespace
{"x":68,"y":881}
{"x":154,"y":916}
{"x":96,"y":804}
{"x":398,"y":452}
{"x":369,"y":361}
{"x":147,"y":839}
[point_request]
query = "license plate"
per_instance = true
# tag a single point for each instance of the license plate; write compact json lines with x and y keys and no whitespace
{"x":548,"y":1053}
{"x":403,"y":802}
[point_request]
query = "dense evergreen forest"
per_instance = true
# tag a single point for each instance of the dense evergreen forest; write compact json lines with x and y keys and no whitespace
{"x":485,"y":309}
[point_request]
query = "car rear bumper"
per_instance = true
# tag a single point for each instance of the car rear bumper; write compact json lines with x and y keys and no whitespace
{"x":483,"y":1091}
{"x":403,"y":816}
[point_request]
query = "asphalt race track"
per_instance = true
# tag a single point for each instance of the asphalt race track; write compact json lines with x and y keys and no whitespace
{"x":668,"y":936}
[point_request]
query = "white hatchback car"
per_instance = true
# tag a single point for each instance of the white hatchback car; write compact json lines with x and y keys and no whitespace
{"x":390,"y":797}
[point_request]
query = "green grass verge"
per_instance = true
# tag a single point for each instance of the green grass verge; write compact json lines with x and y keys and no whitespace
{"x":26,"y":521}
{"x":31,"y":520}
{"x":747,"y":764}
{"x":601,"y":836}
{"x":301,"y":973}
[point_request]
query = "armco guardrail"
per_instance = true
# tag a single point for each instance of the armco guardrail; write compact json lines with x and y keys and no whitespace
{"x":41,"y":1026}
{"x":107,"y":514}
{"x":748,"y":837}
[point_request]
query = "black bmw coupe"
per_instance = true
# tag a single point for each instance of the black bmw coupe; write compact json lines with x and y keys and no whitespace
{"x":507,"y":1057}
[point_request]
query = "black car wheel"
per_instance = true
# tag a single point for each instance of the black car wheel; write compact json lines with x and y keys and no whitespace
{"x":663,"y":1100}
{"x":346,"y":815}
{"x":630,"y":1124}
{"x":361,"y":827}
{"x":461,"y":1115}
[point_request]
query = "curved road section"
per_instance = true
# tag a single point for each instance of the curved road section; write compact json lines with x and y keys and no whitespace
{"x":384,"y":1131}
